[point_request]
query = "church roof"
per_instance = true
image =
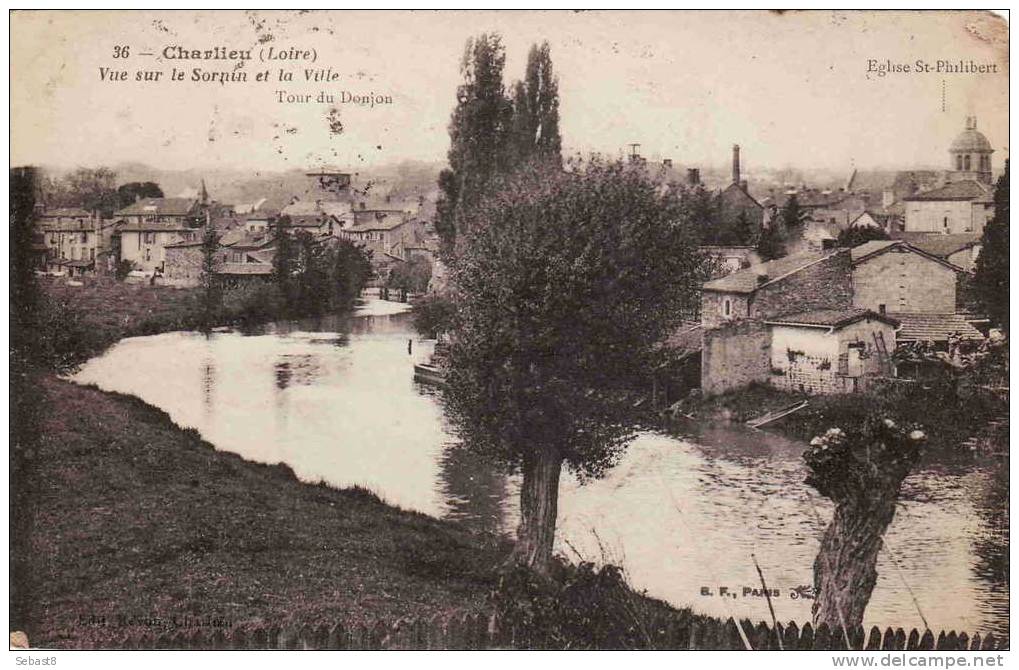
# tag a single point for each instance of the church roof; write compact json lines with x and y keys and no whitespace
{"x":970,"y":140}
{"x":968,"y":189}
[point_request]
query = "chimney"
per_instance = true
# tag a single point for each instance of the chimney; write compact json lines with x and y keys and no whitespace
{"x":667,"y":163}
{"x":364,"y":205}
{"x":743,"y":185}
{"x":881,"y":308}
{"x":735,"y":164}
{"x":693,"y":176}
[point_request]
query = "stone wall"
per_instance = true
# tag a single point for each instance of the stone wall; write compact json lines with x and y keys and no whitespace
{"x":713,"y":308}
{"x":735,"y":355}
{"x":183,"y":266}
{"x":904,"y":281}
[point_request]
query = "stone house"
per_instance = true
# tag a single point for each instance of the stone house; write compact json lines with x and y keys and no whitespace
{"x":798,"y":282}
{"x":830,"y":351}
{"x":183,"y":265}
{"x":734,"y":309}
{"x":77,"y":242}
{"x":144,"y":244}
{"x":957,"y":207}
{"x":893,"y":276}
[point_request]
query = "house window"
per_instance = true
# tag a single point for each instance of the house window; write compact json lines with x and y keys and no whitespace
{"x":958,"y":162}
{"x":945,"y":221}
{"x":727,"y":307}
{"x":150,"y":238}
{"x":966,"y":162}
{"x":148,"y":254}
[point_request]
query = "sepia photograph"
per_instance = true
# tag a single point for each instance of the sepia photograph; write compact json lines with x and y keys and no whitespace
{"x":534,"y":330}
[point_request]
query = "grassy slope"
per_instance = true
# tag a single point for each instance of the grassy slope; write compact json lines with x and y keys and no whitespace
{"x":139,"y":518}
{"x":136,"y":517}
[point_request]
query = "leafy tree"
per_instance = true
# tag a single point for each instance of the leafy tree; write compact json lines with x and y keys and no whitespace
{"x":746,"y":231}
{"x":535,"y":129}
{"x":478,"y":131}
{"x":990,"y":279}
{"x":93,"y":189}
{"x":567,"y":283}
{"x":702,"y":210}
{"x":283,"y":259}
{"x":433,"y":314}
{"x":311,"y":287}
{"x":130,"y":192}
{"x":792,"y":213}
{"x":351,"y":268}
{"x":211,"y":295}
{"x":771,"y":243}
{"x":122,"y":269}
{"x":411,"y":276}
{"x":854,"y":236}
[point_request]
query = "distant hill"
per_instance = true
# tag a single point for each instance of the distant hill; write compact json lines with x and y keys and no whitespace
{"x":405,"y":181}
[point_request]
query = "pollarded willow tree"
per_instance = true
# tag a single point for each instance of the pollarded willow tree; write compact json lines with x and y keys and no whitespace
{"x":567,"y":283}
{"x":861,"y":471}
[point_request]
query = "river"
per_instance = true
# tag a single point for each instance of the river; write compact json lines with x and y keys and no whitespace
{"x":682,"y":513}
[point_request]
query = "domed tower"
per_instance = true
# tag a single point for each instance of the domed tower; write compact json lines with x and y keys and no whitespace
{"x":970,"y":155}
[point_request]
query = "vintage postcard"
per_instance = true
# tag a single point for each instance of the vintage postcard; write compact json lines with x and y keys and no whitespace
{"x":509,"y":330}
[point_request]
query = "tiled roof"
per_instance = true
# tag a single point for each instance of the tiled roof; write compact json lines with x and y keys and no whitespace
{"x":874,"y":247}
{"x":935,"y":327}
{"x":958,"y":190}
{"x":244,"y":269}
{"x":939,"y":244}
{"x":385,"y":222}
{"x":64,"y":212}
{"x":749,"y":279}
{"x":307,"y":220}
{"x":240,"y":237}
{"x":160,"y":207}
{"x":317,"y":207}
{"x":830,"y":318}
{"x":183,"y":244}
{"x":155,"y":226}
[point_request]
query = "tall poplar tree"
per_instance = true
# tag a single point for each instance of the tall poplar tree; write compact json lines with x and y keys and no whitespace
{"x":536,"y":109}
{"x":478,"y":131}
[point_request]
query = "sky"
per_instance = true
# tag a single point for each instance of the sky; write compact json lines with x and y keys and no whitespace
{"x":793,"y":89}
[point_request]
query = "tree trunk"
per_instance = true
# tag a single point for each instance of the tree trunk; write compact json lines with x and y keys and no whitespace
{"x":845,"y":569}
{"x":539,"y":501}
{"x":862,"y":474}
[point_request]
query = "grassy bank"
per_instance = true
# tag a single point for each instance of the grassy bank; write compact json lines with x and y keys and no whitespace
{"x":137,"y":518}
{"x":79,"y":322}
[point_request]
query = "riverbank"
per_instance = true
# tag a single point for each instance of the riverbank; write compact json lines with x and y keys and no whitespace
{"x":950,"y":417}
{"x":138,"y":521}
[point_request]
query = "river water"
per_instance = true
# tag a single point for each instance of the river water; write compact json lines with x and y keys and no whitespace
{"x":335,"y":399}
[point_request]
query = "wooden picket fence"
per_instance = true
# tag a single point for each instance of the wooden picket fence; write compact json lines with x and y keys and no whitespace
{"x":478,"y":631}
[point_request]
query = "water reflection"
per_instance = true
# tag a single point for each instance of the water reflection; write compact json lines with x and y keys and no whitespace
{"x":334,"y":397}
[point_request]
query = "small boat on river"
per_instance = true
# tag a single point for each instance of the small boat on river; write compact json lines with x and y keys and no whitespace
{"x":429,"y":374}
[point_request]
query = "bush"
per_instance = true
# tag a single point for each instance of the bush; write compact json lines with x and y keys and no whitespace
{"x":433,"y":314}
{"x":579,"y":607}
{"x":253,"y":303}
